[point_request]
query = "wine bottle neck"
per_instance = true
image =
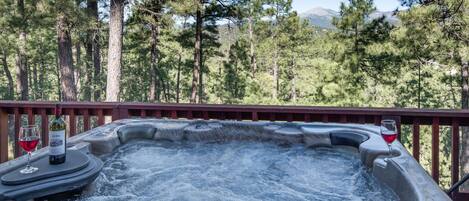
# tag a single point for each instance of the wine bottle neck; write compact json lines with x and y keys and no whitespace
{"x":57,"y":112}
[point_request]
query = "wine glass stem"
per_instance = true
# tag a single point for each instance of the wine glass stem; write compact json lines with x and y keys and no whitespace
{"x":390,"y":149}
{"x":29,"y":159}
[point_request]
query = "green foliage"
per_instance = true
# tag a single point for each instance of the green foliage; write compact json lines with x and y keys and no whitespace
{"x":234,"y":80}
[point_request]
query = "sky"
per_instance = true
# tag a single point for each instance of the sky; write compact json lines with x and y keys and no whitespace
{"x":304,"y":5}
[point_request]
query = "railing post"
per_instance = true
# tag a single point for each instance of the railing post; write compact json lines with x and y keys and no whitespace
{"x":436,"y":149}
{"x":72,"y":122}
{"x":3,"y":136}
{"x":100,"y":117}
{"x":238,"y":116}
{"x":416,"y":139}
{"x":189,"y":114}
{"x":115,"y":113}
{"x":377,"y":120}
{"x":454,"y":150}
{"x":174,"y":114}
{"x":31,"y":119}
{"x":205,"y":115}
{"x":307,"y":117}
{"x":86,"y":120}
{"x":17,"y":123}
{"x":44,"y":127}
{"x":119,"y":112}
{"x":254,"y":116}
{"x":123,"y":113}
{"x":158,"y":114}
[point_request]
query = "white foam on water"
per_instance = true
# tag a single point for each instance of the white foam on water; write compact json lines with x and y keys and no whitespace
{"x":162,"y":170}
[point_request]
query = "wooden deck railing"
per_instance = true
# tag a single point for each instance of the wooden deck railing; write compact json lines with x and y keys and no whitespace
{"x":414,"y":117}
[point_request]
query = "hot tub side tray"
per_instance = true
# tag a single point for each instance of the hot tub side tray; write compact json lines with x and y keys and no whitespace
{"x":79,"y":170}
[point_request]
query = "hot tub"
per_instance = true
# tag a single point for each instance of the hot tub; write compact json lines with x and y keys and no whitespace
{"x":155,"y":159}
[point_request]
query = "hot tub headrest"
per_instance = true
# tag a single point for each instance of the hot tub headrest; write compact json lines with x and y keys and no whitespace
{"x":348,"y":138}
{"x":144,"y":131}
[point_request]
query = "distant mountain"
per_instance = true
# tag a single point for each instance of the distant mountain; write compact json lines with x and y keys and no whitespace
{"x":322,"y":17}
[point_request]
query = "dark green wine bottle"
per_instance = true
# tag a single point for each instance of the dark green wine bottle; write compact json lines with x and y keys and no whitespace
{"x":57,"y":139}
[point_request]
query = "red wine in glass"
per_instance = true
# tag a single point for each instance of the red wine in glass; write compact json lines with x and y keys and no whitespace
{"x":29,"y":144}
{"x":28,"y":140}
{"x":389,"y":136}
{"x":388,"y":132}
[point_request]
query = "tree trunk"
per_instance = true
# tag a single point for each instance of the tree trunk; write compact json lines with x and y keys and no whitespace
{"x":88,"y":77}
{"x":293,"y":81}
{"x":115,"y":50}
{"x":57,"y":68}
{"x":220,"y":83}
{"x":21,"y":68}
{"x":465,"y":86}
{"x":275,"y":76}
{"x":465,"y":130}
{"x":235,"y":92}
{"x":155,"y":58}
{"x":67,"y":81}
{"x":357,"y":52}
{"x":162,"y":91}
{"x":30,"y":81}
{"x":178,"y":78}
{"x":159,"y":89}
{"x":167,"y":91}
{"x":93,"y":33}
{"x":197,"y":56}
{"x":252,"y":47}
{"x":42,"y":72}
{"x":155,"y":32}
{"x":419,"y":86}
{"x":202,"y":70}
{"x":97,"y":86}
{"x":78,"y":67}
{"x":11,"y":92}
{"x":35,"y":82}
{"x":21,"y":63}
{"x":200,"y":96}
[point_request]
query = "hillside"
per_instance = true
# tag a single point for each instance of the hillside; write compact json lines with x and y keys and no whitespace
{"x":322,"y":17}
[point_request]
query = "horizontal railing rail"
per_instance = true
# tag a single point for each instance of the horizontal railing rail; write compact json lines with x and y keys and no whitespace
{"x":14,"y":111}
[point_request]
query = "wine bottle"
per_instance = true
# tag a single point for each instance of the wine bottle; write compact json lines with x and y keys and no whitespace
{"x":57,"y":139}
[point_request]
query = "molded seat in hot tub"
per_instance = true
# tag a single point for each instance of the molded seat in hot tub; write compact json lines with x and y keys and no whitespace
{"x":79,"y":170}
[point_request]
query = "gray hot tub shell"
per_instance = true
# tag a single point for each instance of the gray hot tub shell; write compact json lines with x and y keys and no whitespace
{"x":401,"y":172}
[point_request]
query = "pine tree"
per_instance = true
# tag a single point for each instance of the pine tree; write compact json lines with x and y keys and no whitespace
{"x":360,"y":36}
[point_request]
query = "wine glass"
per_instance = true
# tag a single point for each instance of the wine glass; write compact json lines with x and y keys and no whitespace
{"x":28,"y":140}
{"x":389,"y":132}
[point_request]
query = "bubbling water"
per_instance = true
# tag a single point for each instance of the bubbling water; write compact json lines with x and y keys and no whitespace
{"x":161,"y":170}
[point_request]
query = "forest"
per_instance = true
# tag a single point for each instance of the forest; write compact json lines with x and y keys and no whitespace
{"x":239,"y":52}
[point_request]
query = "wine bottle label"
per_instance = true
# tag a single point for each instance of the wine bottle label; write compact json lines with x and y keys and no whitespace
{"x":56,"y":142}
